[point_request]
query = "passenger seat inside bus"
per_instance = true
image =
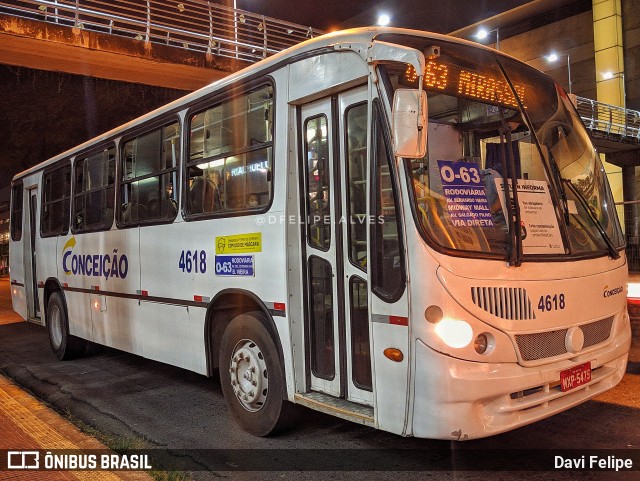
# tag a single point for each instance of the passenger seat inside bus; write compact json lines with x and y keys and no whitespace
{"x":203,"y":196}
{"x":133,"y":212}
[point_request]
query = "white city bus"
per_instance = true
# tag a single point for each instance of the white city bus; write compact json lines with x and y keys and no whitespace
{"x":402,"y":229}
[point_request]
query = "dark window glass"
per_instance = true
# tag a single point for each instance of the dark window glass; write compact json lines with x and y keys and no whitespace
{"x":17,"y":193}
{"x":231,"y":155}
{"x":317,"y":178}
{"x":360,"y":353}
{"x":388,"y":273}
{"x":356,"y":121}
{"x":149,"y":176}
{"x":55,"y":201}
{"x":321,"y":325}
{"x":93,"y":197}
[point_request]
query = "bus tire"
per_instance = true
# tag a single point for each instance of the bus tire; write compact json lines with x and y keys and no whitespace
{"x":64,"y":345}
{"x":251,"y":376}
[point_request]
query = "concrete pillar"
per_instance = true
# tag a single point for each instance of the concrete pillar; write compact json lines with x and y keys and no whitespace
{"x":631,"y":227}
{"x":609,"y":52}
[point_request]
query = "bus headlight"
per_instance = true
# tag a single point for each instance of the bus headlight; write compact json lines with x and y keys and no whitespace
{"x":454,"y":333}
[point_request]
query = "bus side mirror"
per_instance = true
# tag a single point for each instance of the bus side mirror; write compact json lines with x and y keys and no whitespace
{"x":409,"y":123}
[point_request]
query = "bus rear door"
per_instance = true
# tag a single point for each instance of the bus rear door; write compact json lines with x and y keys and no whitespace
{"x":30,"y":258}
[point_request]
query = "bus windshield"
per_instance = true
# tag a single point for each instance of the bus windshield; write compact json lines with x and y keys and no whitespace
{"x":495,"y":123}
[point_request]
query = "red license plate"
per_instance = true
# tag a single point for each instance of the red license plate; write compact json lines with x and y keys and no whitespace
{"x":576,"y":376}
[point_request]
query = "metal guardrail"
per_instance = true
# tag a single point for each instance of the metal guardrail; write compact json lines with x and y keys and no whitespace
{"x":198,"y":25}
{"x":609,"y":119}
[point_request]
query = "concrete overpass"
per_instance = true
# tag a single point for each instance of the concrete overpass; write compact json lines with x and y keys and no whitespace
{"x":162,"y":43}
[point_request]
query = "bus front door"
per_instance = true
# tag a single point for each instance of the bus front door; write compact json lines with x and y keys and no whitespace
{"x":334,"y":166}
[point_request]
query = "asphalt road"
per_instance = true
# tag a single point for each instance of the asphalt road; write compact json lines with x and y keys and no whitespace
{"x":125,"y":396}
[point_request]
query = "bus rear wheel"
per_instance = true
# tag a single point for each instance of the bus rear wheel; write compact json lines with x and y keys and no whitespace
{"x":251,"y":376}
{"x":64,"y":345}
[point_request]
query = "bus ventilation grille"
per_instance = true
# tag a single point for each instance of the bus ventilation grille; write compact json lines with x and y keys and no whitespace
{"x":504,"y":302}
{"x":542,"y":345}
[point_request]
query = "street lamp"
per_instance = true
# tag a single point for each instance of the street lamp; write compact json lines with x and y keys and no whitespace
{"x":484,"y":33}
{"x":553,"y":57}
{"x":611,"y":75}
{"x":383,"y":20}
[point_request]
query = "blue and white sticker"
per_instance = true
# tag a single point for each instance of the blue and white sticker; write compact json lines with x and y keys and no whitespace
{"x":235,"y":265}
{"x":464,"y":190}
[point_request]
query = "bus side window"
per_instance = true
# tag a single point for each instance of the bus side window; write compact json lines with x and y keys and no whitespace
{"x":149,"y":174}
{"x":388,"y":276}
{"x":56,"y":198}
{"x":94,"y":178}
{"x":17,"y":193}
{"x":231,"y":155}
{"x":356,"y":121}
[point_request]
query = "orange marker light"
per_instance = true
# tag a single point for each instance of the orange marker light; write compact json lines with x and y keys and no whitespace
{"x":394,"y":354}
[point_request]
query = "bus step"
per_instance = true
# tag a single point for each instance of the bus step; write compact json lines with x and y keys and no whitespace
{"x":341,"y":408}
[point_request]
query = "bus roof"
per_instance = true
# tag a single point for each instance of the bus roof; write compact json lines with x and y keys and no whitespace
{"x":356,"y":35}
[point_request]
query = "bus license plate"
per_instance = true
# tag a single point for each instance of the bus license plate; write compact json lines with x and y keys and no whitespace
{"x":574,"y":377}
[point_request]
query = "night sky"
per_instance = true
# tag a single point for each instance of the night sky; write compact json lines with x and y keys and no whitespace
{"x":442,"y":16}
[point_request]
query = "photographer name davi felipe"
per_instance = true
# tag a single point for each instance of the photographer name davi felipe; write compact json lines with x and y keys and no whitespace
{"x":593,"y":462}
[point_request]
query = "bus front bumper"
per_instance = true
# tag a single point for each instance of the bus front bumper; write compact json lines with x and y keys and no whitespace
{"x":463,"y":400}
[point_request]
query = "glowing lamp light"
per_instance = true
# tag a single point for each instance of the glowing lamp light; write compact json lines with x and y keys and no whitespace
{"x":454,"y":333}
{"x":482,"y":34}
{"x":607,"y":75}
{"x":383,"y":20}
{"x":552,"y":57}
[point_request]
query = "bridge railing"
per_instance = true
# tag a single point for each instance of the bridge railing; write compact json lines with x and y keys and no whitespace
{"x":191,"y":24}
{"x":609,"y":119}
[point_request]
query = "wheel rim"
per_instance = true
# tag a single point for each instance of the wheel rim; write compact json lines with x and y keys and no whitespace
{"x":56,"y":326}
{"x":249,"y":377}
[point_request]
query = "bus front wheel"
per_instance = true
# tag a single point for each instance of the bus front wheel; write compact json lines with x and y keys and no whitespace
{"x":251,"y":376}
{"x":64,"y":345}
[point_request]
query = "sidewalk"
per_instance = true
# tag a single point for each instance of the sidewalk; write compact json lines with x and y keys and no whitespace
{"x":26,"y":423}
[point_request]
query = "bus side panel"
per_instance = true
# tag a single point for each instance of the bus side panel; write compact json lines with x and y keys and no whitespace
{"x":78,"y":314}
{"x":319,"y":76}
{"x":119,"y":323}
{"x":168,"y":277}
{"x":391,"y":379}
{"x":77,"y":302}
{"x":106,"y":267}
{"x":173,"y":333}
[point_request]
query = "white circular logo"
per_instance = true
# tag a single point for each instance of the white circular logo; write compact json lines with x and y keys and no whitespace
{"x":574,"y":340}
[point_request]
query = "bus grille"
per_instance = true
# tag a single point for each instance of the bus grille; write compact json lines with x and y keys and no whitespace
{"x":504,"y":302}
{"x":542,"y":345}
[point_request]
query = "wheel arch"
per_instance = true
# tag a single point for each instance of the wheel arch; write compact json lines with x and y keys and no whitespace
{"x":226,"y":305}
{"x":52,"y":285}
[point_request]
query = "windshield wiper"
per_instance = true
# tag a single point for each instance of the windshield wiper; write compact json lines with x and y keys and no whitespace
{"x":513,"y":206}
{"x":558,"y":180}
{"x":613,"y":252}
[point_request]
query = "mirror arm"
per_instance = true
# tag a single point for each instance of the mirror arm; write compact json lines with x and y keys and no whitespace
{"x":420,"y":122}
